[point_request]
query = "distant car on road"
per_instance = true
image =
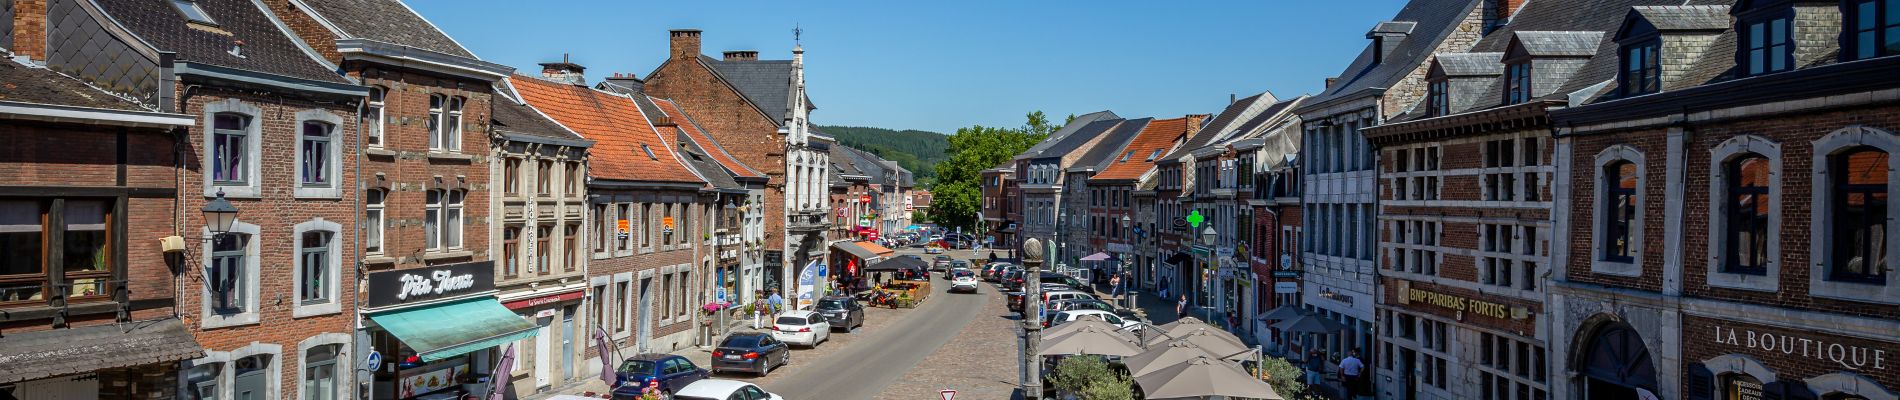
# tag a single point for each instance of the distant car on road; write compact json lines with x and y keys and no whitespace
{"x":1109,"y":317}
{"x":721,"y":389}
{"x":801,"y":327}
{"x":670,"y":371}
{"x":843,"y":312}
{"x":962,"y":280}
{"x":755,"y":352}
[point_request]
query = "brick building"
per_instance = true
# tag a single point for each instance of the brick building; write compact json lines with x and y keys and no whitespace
{"x":760,"y":111}
{"x":1108,"y":195}
{"x":998,"y":207}
{"x":1078,"y":233}
{"x":99,"y":319}
{"x":1039,"y":177}
{"x":1725,"y":216}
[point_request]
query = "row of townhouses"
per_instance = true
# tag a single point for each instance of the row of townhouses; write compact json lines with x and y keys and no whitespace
{"x":1526,"y":199}
{"x":333,"y":199}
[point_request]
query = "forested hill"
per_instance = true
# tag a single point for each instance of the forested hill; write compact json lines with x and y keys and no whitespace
{"x":915,"y":150}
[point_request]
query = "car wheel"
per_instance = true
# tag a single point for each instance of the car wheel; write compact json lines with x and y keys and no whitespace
{"x":764,"y":367}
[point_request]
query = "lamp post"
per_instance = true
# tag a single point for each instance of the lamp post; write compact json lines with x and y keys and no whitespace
{"x":1122,"y":284}
{"x":1207,"y":238}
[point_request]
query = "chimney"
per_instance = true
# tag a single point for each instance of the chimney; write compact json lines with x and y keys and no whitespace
{"x":685,"y":43}
{"x":1194,"y":122}
{"x":28,"y":29}
{"x":1331,"y":80}
{"x":1497,"y":13}
{"x":742,"y":55}
{"x":564,"y":71}
{"x":1231,"y":99}
{"x":1386,"y":36}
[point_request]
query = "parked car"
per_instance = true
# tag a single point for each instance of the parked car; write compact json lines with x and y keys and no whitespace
{"x":933,"y":249}
{"x":755,"y":352}
{"x":670,"y":371}
{"x":962,"y":280}
{"x":990,"y":273}
{"x":801,"y":327}
{"x":721,"y":389}
{"x":1081,"y":304}
{"x":1015,"y":297}
{"x":841,"y":311}
{"x":1065,"y":280}
{"x":1109,"y":317}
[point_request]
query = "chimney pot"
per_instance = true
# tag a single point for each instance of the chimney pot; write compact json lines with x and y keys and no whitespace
{"x":684,"y":43}
{"x":742,"y":55}
{"x":564,"y":71}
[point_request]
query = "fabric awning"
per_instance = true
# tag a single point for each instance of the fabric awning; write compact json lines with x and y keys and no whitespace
{"x":881,"y":251}
{"x":441,"y":331}
{"x":1179,"y":258}
{"x":48,"y":353}
{"x":897,"y":263}
{"x":855,"y":250}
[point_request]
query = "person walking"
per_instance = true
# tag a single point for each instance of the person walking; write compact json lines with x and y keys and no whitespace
{"x":758,"y":309}
{"x":777,"y":303}
{"x":1349,"y":371}
{"x":1315,"y":368}
{"x":1180,"y":307}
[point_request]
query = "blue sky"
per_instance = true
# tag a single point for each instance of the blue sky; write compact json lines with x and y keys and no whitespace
{"x":940,"y":65}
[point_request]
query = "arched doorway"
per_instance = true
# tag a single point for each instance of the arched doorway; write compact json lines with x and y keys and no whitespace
{"x":1615,"y":365}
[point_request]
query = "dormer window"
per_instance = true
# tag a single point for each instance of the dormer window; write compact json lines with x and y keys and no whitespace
{"x":1517,"y":82}
{"x":1767,"y":44}
{"x":1436,"y":98}
{"x":1641,"y":72}
{"x":1873,"y":29}
{"x":190,"y":10}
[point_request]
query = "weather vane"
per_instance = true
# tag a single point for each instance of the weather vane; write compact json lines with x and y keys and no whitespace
{"x":796,"y":33}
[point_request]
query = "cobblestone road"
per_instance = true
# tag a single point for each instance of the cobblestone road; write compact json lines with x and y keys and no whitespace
{"x":981,"y":362}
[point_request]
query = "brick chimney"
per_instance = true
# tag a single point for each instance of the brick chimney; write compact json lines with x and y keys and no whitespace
{"x":29,"y":29}
{"x":742,"y":55}
{"x":684,"y":43}
{"x":564,"y":71}
{"x":1497,"y":13}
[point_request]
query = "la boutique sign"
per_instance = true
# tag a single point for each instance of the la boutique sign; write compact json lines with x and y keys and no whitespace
{"x":398,"y":287}
{"x":1845,"y":355}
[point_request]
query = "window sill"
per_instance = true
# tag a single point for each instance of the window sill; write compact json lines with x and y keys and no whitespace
{"x":380,"y":152}
{"x":216,"y":321}
{"x":447,"y":255}
{"x":319,"y":193}
{"x":1630,"y":269}
{"x":1759,"y":283}
{"x":314,"y":310}
{"x":1853,"y":291}
{"x":378,"y":260}
{"x":441,"y":156}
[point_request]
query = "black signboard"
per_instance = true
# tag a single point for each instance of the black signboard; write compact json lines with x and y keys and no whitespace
{"x":415,"y":285}
{"x":774,"y":259}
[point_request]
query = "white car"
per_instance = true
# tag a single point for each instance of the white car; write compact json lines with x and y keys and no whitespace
{"x":962,"y":280}
{"x":1109,"y":317}
{"x":801,"y":327}
{"x":723,"y":389}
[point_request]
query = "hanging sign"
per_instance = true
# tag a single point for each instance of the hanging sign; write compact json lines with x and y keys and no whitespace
{"x":1286,"y":287}
{"x":624,"y":228}
{"x":667,"y":222}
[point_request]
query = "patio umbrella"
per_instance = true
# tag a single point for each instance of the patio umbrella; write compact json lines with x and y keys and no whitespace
{"x":1078,"y":324}
{"x":1088,"y":340}
{"x":1159,"y":357}
{"x":1096,"y":257}
{"x":1183,"y":321}
{"x":1211,"y":342}
{"x":1201,"y":377}
{"x":1309,"y":323}
{"x":1281,"y":313}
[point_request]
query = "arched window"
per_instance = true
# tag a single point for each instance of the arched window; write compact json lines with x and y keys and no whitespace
{"x":1859,"y":207}
{"x":1747,"y":213}
{"x":1619,"y":210}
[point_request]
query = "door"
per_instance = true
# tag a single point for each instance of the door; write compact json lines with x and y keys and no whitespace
{"x":251,"y":382}
{"x":543,"y":340}
{"x":567,"y":343}
{"x":646,"y":315}
{"x":1409,"y":373}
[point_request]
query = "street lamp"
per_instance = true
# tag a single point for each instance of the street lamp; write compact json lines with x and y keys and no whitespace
{"x":1121,"y":285}
{"x":219,"y":215}
{"x":1207,"y":237}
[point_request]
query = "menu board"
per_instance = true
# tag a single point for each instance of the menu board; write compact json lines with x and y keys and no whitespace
{"x":431,"y":381}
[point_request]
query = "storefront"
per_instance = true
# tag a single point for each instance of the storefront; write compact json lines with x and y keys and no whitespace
{"x":440,"y":330}
{"x":94,"y":362}
{"x":852,"y":257}
{"x":551,"y":357}
{"x":1725,"y":359}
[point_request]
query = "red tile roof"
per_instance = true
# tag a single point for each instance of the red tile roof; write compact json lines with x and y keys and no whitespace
{"x":718,"y":152}
{"x":616,"y":126}
{"x":1132,"y":162}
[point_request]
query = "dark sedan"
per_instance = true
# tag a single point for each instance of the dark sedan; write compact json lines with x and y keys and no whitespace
{"x":671,"y":372}
{"x":754,"y":352}
{"x":844,"y":312}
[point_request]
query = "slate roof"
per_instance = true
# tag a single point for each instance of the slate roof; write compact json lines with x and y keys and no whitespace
{"x":517,"y":118}
{"x":1132,"y":162}
{"x":1236,"y":112}
{"x":1692,"y":17}
{"x":1560,"y":43}
{"x":711,"y":147}
{"x":616,"y":126}
{"x":766,"y":83}
{"x":389,"y":21}
{"x":1076,"y":140}
{"x":33,"y":84}
{"x":1393,"y":27}
{"x":1081,"y":121}
{"x":35,"y":355}
{"x":716,"y":176}
{"x":266,"y":48}
{"x":1576,"y":21}
{"x":1433,"y":19}
{"x":1471,"y":64}
{"x":1112,"y":144}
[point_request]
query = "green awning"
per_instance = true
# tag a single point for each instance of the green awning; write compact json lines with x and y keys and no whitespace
{"x":447,"y":330}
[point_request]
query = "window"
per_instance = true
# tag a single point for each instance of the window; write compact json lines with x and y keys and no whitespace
{"x":544,"y":175}
{"x":511,"y":251}
{"x":191,"y":12}
{"x":1741,"y":386}
{"x":666,"y":299}
{"x":1511,"y":170}
{"x":320,"y":372}
{"x":230,"y":152}
{"x":1413,"y":246}
{"x":1747,"y":233}
{"x":1640,"y":72}
{"x":1151,"y":156}
{"x":570,"y":247}
{"x":442,"y":220}
{"x":1873,"y":29}
{"x":646,"y":218}
{"x":1619,"y":210}
{"x":373,"y":117}
{"x":1517,"y":82}
{"x":373,"y":220}
{"x":511,"y":177}
{"x":314,"y":275}
{"x":228,"y":281}
{"x":1436,"y":98}
{"x":1767,"y":39}
{"x":314,"y":160}
{"x":666,"y":223}
{"x":543,"y":255}
{"x":649,"y":153}
{"x":1510,"y":368}
{"x":24,"y":234}
{"x":445,"y":123}
{"x":1859,"y":207}
{"x":574,"y":179}
{"x":201,"y":381}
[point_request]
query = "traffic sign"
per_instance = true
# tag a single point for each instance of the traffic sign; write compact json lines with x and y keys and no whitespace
{"x":948,"y":394}
{"x":374,"y":361}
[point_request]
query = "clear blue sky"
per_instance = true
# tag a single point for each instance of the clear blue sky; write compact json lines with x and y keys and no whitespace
{"x":940,"y":65}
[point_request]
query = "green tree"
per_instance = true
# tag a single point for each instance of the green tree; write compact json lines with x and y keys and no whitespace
{"x":1091,"y":377}
{"x":958,"y":186}
{"x":1283,"y":376}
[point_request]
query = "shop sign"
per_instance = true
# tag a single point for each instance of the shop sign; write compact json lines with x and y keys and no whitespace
{"x":1118,"y":248}
{"x":864,"y":198}
{"x":624,"y":228}
{"x":1743,"y":389}
{"x":1846,"y":355}
{"x":545,"y":300}
{"x":667,"y":222}
{"x":1224,"y":252}
{"x":389,"y":288}
{"x":1286,"y":287}
{"x":431,"y":381}
{"x":1329,"y":294}
{"x":1409,"y":295}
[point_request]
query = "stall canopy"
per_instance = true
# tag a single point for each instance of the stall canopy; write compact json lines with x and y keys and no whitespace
{"x":441,"y":331}
{"x":859,"y":250}
{"x":897,"y":263}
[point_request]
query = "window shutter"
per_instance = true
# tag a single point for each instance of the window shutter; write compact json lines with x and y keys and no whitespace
{"x":1701,"y":383}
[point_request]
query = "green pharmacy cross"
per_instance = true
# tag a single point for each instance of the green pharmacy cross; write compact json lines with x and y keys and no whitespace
{"x":1194,"y":218}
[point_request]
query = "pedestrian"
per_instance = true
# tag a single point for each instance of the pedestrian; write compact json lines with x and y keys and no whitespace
{"x":1315,"y":368}
{"x":1180,"y":308}
{"x":1164,"y":287}
{"x":1115,"y":285}
{"x":1349,"y":371}
{"x":758,"y":309}
{"x":777,"y":303}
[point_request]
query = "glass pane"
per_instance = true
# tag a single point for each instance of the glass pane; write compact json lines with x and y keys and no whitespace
{"x":1865,"y":44}
{"x":430,"y":219}
{"x":1626,"y":176}
{"x":86,"y":246}
{"x":1893,"y":40}
{"x":20,"y":243}
{"x":453,"y":228}
{"x":228,"y":152}
{"x":1755,"y":35}
{"x":229,"y":122}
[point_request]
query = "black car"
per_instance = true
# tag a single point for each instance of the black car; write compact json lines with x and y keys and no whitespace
{"x":1012,"y":281}
{"x":671,"y":372}
{"x":755,"y":352}
{"x":1064,"y":280}
{"x":844,"y":312}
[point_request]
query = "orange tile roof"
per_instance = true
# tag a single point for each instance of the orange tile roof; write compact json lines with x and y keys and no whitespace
{"x":692,"y":130}
{"x":616,"y":126}
{"x":876,"y":249}
{"x":1158,"y":135}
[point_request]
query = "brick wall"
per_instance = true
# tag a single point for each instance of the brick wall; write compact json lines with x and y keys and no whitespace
{"x":751,"y":137}
{"x":1583,"y":204}
{"x":406,"y":167}
{"x":29,"y":29}
{"x":1792,"y":355}
{"x":306,"y":28}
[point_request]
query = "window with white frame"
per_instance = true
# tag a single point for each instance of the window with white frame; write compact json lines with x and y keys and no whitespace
{"x":1414,"y":247}
{"x":1617,"y":237}
{"x":511,"y":176}
{"x":1512,"y":169}
{"x":313,"y":271}
{"x":543,"y":253}
{"x":320,"y":373}
{"x":314,"y":164}
{"x":1851,"y":185}
{"x":373,"y":117}
{"x":1508,"y":255}
{"x":1416,"y":173}
{"x":442,"y":220}
{"x":1511,"y":369}
{"x":231,"y":154}
{"x":373,"y":205}
{"x":544,"y":178}
{"x":229,"y":283}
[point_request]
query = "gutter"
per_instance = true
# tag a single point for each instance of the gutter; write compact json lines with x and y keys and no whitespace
{"x":411,"y":57}
{"x":89,"y":115}
{"x":518,"y":137}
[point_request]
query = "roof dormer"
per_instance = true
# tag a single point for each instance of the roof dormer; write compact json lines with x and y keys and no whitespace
{"x":1872,"y":29}
{"x":1658,"y":44}
{"x":1386,"y":36}
{"x":1454,"y":81}
{"x":1536,"y":63}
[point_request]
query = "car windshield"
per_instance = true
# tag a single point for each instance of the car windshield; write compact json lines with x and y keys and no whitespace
{"x":741,"y":341}
{"x":791,"y":321}
{"x":831,"y":304}
{"x":637,"y":367}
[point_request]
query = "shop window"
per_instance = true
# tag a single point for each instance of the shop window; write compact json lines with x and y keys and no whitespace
{"x":373,"y":203}
{"x":1873,"y":29}
{"x":320,"y":373}
{"x":1859,"y":209}
{"x":373,"y":117}
{"x":1741,"y":386}
{"x":511,"y":251}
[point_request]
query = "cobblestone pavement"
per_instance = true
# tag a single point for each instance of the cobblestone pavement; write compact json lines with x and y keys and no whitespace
{"x":981,"y":362}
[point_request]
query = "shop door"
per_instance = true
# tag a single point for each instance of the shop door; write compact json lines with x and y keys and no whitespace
{"x":542,"y":355}
{"x":646,"y":315}
{"x":1408,"y":372}
{"x":251,"y":382}
{"x":567,"y":343}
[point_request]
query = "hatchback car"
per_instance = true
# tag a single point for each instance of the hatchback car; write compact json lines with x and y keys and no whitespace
{"x":801,"y":327}
{"x":1109,"y":317}
{"x":962,"y":280}
{"x":671,"y":372}
{"x":844,"y":312}
{"x":755,"y":352}
{"x":721,"y":389}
